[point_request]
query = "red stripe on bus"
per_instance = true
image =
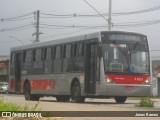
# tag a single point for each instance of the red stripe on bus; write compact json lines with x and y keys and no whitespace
{"x":35,"y":84}
{"x":128,"y":79}
{"x":42,"y":84}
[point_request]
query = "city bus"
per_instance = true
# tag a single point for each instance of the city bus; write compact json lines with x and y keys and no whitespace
{"x":103,"y":64}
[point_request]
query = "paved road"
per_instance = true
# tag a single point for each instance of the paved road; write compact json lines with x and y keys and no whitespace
{"x":50,"y":104}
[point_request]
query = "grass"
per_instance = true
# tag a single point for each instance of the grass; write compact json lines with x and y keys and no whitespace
{"x":9,"y":106}
{"x":4,"y":106}
{"x":145,"y":102}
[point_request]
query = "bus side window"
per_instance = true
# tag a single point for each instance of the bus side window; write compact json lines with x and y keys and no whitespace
{"x":38,"y":55}
{"x":67,"y":63}
{"x":67,"y":51}
{"x":57,"y":63}
{"x":78,"y":57}
{"x":58,"y":52}
{"x":27,"y":56}
{"x":37,"y":58}
{"x":27,"y":59}
{"x":47,"y":53}
{"x":47,"y":60}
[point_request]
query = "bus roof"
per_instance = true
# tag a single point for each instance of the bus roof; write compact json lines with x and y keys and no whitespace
{"x":67,"y":40}
{"x":57,"y":41}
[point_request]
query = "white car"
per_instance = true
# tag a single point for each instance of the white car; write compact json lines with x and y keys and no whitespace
{"x":3,"y":87}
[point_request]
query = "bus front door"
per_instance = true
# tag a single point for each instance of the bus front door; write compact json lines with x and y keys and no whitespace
{"x":18,"y":61}
{"x":90,"y":68}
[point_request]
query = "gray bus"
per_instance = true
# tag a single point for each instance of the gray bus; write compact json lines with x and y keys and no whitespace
{"x":97,"y":65}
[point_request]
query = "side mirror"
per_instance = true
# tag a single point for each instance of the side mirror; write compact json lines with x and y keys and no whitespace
{"x":100,"y":50}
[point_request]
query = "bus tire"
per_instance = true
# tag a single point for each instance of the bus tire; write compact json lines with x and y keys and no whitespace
{"x":120,"y":99}
{"x":63,"y":98}
{"x":76,"y":92}
{"x":27,"y":93}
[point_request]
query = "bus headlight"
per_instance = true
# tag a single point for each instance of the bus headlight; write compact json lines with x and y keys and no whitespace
{"x":109,"y":81}
{"x":147,"y":81}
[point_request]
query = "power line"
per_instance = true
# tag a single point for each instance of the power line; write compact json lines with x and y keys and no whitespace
{"x":21,"y":29}
{"x":73,"y":15}
{"x":138,"y":24}
{"x":118,"y":25}
{"x":47,"y":26}
{"x":17,"y":39}
{"x":16,"y":28}
{"x":138,"y":11}
{"x":95,"y":10}
{"x":71,"y":26}
{"x":126,"y":24}
{"x":21,"y":17}
{"x":15,"y":18}
{"x":59,"y":15}
{"x":55,"y":26}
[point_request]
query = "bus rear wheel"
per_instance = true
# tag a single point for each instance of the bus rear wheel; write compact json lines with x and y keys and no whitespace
{"x":28,"y":95}
{"x":63,"y":98}
{"x":120,"y":99}
{"x":76,"y":93}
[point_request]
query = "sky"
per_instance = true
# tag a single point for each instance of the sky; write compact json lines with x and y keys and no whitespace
{"x":59,"y":19}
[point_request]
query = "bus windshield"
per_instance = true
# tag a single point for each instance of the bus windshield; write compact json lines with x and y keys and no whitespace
{"x":126,"y":57}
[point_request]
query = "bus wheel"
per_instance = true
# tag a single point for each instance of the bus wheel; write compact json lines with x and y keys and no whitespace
{"x":120,"y":99}
{"x":63,"y":98}
{"x":28,"y":95}
{"x":76,"y":93}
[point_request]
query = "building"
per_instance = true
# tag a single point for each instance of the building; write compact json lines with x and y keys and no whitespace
{"x":4,"y":62}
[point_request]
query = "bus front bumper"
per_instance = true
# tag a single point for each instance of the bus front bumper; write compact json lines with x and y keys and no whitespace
{"x":128,"y":90}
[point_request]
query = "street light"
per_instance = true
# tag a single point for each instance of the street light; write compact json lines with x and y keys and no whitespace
{"x":17,"y":39}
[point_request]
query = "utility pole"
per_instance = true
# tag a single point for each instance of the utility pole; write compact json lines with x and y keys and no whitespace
{"x":37,"y":33}
{"x":110,"y":15}
{"x":37,"y":27}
